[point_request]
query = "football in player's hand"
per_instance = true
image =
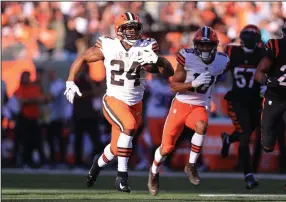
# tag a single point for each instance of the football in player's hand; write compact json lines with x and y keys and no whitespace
{"x":151,"y":68}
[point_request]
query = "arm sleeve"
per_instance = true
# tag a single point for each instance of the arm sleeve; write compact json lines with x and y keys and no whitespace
{"x":181,"y":57}
{"x":155,"y":45}
{"x":152,"y":43}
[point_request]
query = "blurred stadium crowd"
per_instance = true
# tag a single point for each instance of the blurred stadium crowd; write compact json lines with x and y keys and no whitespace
{"x":63,"y":29}
{"x":45,"y":31}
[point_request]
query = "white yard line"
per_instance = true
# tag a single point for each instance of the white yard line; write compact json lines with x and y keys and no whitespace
{"x":242,"y":195}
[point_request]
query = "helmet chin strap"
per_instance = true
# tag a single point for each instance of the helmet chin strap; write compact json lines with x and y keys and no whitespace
{"x":247,"y":50}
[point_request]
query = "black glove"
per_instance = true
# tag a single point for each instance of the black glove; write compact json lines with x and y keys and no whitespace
{"x":272,"y":82}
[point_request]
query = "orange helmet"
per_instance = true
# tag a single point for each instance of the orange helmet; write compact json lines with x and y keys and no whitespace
{"x":205,"y":43}
{"x":123,"y":27}
{"x":250,"y":37}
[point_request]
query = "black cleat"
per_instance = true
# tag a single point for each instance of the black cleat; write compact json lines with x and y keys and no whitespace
{"x":225,"y":145}
{"x":121,"y":184}
{"x":93,"y":173}
{"x":251,"y":183}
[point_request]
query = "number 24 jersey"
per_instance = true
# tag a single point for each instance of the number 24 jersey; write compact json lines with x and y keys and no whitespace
{"x":125,"y":77}
{"x":194,"y":66}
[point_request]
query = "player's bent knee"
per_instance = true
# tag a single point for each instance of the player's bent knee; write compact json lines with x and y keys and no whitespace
{"x":129,"y":132}
{"x":166,"y":150}
{"x":201,"y":127}
{"x":129,"y":129}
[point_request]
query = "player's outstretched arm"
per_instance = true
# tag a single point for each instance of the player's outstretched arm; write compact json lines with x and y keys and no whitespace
{"x":92,"y":54}
{"x":262,"y":70}
{"x":178,"y":81}
{"x":165,"y":67}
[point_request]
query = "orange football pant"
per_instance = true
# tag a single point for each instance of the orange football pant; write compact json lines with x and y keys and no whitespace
{"x":121,"y":117}
{"x":180,"y":114}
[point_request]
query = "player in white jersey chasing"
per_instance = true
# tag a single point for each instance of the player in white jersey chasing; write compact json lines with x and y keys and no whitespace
{"x":196,"y":73}
{"x":126,"y":59}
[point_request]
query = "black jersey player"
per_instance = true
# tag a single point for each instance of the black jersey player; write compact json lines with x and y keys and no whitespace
{"x":244,"y":100}
{"x":272,"y":72}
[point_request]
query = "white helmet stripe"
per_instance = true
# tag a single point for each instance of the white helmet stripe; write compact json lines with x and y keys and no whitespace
{"x":130,"y":16}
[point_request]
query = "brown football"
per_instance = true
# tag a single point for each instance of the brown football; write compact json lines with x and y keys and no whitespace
{"x":151,"y":68}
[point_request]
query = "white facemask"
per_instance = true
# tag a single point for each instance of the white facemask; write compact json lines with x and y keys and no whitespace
{"x":205,"y":55}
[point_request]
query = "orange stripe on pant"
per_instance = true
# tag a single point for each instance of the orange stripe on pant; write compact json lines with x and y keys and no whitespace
{"x":121,"y":117}
{"x":180,"y":114}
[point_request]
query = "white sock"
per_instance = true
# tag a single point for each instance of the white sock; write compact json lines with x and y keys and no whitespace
{"x":105,"y":157}
{"x":197,"y":142}
{"x":158,"y":160}
{"x":124,"y":148}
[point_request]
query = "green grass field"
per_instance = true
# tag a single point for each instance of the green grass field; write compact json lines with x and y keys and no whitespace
{"x":51,"y":187}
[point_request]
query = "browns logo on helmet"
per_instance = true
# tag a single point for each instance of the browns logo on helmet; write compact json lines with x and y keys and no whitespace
{"x":128,"y":27}
{"x":205,"y":43}
{"x":250,"y":37}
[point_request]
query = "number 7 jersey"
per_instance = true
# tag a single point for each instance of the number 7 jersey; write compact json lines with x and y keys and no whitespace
{"x":194,"y":66}
{"x":125,"y":77}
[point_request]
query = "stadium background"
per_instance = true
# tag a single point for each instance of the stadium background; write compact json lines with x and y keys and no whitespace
{"x":43,"y":35}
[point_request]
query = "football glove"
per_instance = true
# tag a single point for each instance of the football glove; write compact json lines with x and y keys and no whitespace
{"x":71,"y":90}
{"x":147,"y":56}
{"x":204,"y":78}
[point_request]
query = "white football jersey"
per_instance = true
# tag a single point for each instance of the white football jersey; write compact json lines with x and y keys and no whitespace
{"x":160,"y":98}
{"x":194,"y":66}
{"x":124,"y":76}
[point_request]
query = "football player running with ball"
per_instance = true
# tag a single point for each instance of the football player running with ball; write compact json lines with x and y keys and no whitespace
{"x":196,"y":73}
{"x":124,"y":59}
